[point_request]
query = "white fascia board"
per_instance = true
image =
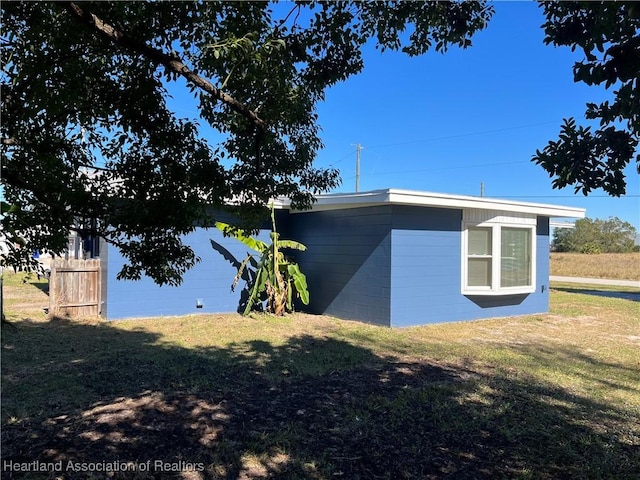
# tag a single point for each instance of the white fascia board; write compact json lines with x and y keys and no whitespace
{"x":338,"y":201}
{"x":441,"y":200}
{"x":554,"y":224}
{"x":400,"y":197}
{"x":281,"y":203}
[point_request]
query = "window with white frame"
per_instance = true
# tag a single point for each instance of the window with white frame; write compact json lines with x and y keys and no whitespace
{"x":498,"y":254}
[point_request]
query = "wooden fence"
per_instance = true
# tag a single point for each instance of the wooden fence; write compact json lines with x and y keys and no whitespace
{"x":74,"y":288}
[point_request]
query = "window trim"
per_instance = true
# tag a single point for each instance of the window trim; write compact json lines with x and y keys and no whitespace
{"x":496,"y":258}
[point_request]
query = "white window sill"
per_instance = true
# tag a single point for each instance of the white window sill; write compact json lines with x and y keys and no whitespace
{"x":502,"y":292}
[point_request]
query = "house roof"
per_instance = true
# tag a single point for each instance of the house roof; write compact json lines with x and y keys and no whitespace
{"x":392,"y":196}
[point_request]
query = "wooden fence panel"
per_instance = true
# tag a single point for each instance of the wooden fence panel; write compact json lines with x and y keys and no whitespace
{"x":74,"y":288}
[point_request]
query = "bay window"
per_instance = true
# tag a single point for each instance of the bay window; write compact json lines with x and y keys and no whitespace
{"x":498,"y":258}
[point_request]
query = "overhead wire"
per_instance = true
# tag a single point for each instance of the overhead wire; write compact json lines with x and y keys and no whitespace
{"x":462,"y":135}
{"x":372,"y":149}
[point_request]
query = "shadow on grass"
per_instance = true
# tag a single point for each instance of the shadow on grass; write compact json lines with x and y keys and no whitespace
{"x":315,"y":407}
{"x":633,"y":296}
{"x":42,"y":284}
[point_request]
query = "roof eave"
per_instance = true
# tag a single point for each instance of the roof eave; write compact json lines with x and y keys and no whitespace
{"x":440,"y":200}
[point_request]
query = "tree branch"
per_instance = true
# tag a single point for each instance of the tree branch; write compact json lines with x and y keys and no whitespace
{"x":172,"y":63}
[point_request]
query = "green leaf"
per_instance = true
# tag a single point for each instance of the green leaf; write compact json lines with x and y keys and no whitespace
{"x":240,"y":235}
{"x":300,"y":282}
{"x":258,"y":287}
{"x":291,"y":244}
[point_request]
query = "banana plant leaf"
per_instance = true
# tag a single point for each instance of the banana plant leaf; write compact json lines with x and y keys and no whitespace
{"x":300,"y":282}
{"x":243,"y":272}
{"x":262,"y":277}
{"x":240,"y":235}
{"x":291,"y":244}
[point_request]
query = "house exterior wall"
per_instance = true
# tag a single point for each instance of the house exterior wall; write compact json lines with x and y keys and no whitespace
{"x":542,"y":265}
{"x":426,"y":271}
{"x":347,"y":262}
{"x":389,"y":265}
{"x":425,"y":265}
{"x":210,"y":280}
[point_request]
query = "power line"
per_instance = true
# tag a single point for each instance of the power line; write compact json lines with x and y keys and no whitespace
{"x":341,"y":159}
{"x":461,"y":135}
{"x":475,"y":165}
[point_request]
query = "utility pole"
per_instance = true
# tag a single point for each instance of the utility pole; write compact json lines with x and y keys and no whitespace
{"x":358,"y":148}
{"x":482,"y":189}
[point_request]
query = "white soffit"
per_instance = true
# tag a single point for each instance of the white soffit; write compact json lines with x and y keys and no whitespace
{"x":338,"y":201}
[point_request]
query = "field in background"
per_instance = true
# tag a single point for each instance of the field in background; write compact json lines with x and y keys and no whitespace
{"x":535,"y":397}
{"x":622,"y":266}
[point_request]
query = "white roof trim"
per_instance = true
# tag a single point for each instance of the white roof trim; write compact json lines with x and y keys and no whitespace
{"x":562,"y":224}
{"x":338,"y":201}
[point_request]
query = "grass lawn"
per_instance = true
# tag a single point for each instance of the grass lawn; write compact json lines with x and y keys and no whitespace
{"x":536,"y":397}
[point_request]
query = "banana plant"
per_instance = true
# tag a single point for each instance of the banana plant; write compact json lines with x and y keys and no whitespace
{"x":274,"y":276}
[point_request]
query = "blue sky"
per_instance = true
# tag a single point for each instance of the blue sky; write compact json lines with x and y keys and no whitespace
{"x":446,"y":123}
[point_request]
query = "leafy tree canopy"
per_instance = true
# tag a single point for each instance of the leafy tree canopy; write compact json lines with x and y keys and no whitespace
{"x":88,"y":138}
{"x":595,"y":236}
{"x":609,"y":35}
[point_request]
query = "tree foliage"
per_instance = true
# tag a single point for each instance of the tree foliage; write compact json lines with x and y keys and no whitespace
{"x":608,"y":33}
{"x":90,"y":141}
{"x":595,"y":236}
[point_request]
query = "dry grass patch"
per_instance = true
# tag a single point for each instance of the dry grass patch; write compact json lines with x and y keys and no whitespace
{"x":25,"y":295}
{"x":622,"y":266}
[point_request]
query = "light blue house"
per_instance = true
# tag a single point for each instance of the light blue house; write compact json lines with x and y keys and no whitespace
{"x":388,"y":257}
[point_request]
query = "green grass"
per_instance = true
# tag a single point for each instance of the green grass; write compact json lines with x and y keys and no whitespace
{"x":542,"y":396}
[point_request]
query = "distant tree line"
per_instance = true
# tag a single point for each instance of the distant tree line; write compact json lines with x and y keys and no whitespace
{"x":595,"y":236}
